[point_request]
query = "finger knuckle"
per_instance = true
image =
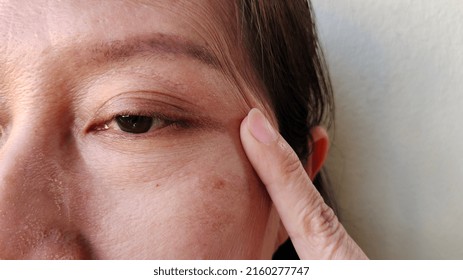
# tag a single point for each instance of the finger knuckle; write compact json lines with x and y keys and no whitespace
{"x":291,"y":167}
{"x":321,"y":226}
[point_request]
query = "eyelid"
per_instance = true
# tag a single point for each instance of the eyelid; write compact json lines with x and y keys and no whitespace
{"x":155,"y":104}
{"x":168,"y":120}
{"x":139,"y":107}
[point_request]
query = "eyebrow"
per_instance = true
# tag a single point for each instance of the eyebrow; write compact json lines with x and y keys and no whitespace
{"x":159,"y":43}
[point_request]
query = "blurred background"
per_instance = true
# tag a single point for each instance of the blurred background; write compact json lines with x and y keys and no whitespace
{"x":396,"y":162}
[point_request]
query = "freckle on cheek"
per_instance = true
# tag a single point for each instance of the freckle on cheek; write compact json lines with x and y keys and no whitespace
{"x":219,"y":184}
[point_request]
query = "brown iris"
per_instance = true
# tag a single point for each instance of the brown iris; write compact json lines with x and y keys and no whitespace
{"x":134,"y":123}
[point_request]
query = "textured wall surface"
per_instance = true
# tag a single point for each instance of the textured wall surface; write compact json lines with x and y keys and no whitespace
{"x":397,"y":158}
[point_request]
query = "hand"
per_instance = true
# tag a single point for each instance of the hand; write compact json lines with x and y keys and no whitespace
{"x":313,"y":227}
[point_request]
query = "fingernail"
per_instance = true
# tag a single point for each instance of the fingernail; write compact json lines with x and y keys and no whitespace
{"x":260,"y":127}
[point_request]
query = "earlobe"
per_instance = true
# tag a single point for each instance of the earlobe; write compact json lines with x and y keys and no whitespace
{"x":319,"y":148}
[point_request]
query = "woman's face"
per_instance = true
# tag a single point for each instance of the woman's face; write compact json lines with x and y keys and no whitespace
{"x":120,"y":134}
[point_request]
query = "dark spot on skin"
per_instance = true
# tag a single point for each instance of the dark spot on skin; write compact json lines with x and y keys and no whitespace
{"x":157,"y":186}
{"x":219,"y":184}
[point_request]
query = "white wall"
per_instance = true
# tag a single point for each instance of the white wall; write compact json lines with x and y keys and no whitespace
{"x":397,"y":157}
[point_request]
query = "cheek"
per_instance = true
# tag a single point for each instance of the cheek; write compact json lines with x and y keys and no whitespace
{"x":207,"y":204}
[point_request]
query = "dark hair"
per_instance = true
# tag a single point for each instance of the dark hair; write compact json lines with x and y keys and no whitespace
{"x":281,"y":40}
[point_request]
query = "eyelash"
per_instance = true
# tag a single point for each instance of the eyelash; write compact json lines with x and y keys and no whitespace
{"x":168,"y":122}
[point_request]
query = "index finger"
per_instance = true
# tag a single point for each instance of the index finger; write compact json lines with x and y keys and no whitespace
{"x":311,"y":224}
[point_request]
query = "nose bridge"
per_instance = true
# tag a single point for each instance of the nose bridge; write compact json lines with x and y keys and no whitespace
{"x":35,"y":218}
{"x":28,"y":166}
{"x":30,"y":154}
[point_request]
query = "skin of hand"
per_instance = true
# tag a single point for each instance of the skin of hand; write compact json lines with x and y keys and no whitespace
{"x":311,"y":224}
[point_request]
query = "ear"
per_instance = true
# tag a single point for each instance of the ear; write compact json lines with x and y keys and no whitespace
{"x":319,"y":147}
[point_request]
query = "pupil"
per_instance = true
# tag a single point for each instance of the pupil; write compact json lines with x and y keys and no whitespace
{"x":134,"y":123}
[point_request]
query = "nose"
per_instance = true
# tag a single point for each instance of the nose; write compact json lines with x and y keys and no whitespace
{"x":36,"y":197}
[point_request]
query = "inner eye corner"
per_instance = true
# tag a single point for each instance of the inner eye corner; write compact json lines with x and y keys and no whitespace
{"x":96,"y":127}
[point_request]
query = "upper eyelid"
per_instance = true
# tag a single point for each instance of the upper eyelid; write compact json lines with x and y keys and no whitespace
{"x":139,"y":76}
{"x":144,"y":97}
{"x":154,"y":115}
{"x":106,"y":121}
{"x":130,"y":102}
{"x":152,"y":107}
{"x":143,"y":76}
{"x":166,"y":122}
{"x":111,"y":122}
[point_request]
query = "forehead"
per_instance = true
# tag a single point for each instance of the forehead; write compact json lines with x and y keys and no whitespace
{"x":40,"y":25}
{"x":38,"y":35}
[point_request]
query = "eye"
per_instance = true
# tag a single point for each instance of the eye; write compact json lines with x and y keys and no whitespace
{"x":135,"y":124}
{"x":139,"y":123}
